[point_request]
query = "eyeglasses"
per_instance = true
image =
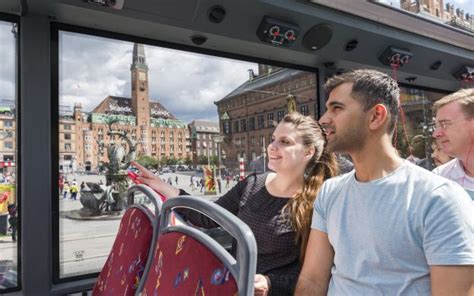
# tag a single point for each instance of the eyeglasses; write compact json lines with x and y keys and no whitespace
{"x":444,"y":124}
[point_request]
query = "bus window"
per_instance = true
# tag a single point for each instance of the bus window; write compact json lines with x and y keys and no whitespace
{"x":174,"y":111}
{"x":9,"y":222}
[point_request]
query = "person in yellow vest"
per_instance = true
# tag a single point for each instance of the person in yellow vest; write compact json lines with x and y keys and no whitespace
{"x":74,"y":189}
{"x":65,"y":189}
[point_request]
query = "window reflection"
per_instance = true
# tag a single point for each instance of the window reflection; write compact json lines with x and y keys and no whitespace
{"x":458,"y":14}
{"x":414,"y":134}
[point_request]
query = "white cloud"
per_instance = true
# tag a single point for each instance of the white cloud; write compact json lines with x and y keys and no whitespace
{"x":187,"y":84}
{"x":7,"y":58}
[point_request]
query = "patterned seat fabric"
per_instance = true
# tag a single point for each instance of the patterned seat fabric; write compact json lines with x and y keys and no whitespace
{"x":126,"y":262}
{"x":182,"y":265}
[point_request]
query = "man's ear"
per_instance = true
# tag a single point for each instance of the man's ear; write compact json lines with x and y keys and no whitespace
{"x":378,"y":116}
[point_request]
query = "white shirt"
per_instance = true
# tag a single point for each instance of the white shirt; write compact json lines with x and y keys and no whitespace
{"x":454,"y":171}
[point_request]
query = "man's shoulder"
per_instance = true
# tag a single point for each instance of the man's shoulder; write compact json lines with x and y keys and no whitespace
{"x":336,"y":184}
{"x":444,"y":169}
{"x":430,"y":180}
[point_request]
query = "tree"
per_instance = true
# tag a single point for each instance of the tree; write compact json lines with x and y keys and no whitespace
{"x":147,"y":161}
{"x":188,"y":161}
{"x":164,"y":160}
{"x":171,"y":161}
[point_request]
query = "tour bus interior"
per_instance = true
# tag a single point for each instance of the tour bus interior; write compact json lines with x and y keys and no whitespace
{"x":322,"y":37}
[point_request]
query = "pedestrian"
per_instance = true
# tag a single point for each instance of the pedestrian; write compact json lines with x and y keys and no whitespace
{"x":170,"y":181}
{"x":61,"y":185}
{"x":83,"y":186}
{"x":454,"y":131}
{"x":388,"y":227}
{"x":227,"y":181}
{"x":65,"y":189}
{"x":192,"y":183}
{"x":219,"y":184}
{"x":202,"y":183}
{"x":176,"y":180}
{"x":13,"y":220}
{"x":277,"y":205}
{"x":74,"y":189}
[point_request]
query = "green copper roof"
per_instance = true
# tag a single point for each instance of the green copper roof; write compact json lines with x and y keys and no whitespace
{"x":105,"y":118}
{"x":169,"y":123}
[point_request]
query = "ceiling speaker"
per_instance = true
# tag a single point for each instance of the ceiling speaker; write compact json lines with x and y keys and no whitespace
{"x":317,"y":37}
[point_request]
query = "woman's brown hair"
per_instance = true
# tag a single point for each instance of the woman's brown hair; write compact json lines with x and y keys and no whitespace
{"x":322,"y":166}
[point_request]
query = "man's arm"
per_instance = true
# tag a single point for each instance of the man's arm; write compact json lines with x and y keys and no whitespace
{"x":316,"y":272}
{"x":452,"y":280}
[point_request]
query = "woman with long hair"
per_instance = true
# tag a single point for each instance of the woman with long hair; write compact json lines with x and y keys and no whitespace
{"x":277,"y":205}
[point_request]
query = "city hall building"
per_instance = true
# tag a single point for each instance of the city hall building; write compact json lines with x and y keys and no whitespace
{"x":157,"y":132}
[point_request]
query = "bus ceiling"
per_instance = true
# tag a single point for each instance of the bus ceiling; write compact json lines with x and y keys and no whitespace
{"x":330,"y":35}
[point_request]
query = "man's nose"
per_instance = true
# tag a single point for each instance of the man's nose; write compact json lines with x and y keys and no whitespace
{"x":437,"y":133}
{"x":324,"y":120}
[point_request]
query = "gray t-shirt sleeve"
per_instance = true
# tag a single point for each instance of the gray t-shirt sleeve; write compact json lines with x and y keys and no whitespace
{"x":318,"y":221}
{"x":448,"y":237}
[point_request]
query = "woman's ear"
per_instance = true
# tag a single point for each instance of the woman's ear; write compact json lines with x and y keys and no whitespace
{"x":310,"y":153}
{"x":378,"y":116}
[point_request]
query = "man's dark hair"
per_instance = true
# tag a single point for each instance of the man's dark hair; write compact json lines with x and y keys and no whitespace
{"x":369,"y":88}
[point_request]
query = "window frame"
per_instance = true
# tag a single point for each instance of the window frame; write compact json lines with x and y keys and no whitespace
{"x":56,"y":28}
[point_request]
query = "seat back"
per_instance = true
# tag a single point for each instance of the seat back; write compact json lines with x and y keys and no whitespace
{"x":186,"y":261}
{"x":132,"y":247}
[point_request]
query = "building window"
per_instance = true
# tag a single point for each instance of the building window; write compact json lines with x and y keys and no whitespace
{"x":236,"y":126}
{"x":68,"y":137}
{"x":8,"y":145}
{"x":280,"y":115}
{"x":262,"y":140}
{"x":67,"y":127}
{"x":261,"y":121}
{"x":67,"y":147}
{"x":251,"y":123}
{"x":270,"y":119}
{"x":8,"y":123}
{"x":226,"y":127}
{"x":252,"y":140}
{"x":304,"y":109}
{"x":67,"y":157}
{"x":243,"y":125}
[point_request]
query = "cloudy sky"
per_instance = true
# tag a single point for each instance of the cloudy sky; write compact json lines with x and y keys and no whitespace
{"x":187,"y":84}
{"x":7,"y":60}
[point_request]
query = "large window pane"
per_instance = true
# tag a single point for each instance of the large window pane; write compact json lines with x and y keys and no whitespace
{"x":182,"y":110}
{"x":8,"y":135}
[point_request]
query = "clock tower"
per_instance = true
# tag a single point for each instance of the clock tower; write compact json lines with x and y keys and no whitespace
{"x":140,"y":95}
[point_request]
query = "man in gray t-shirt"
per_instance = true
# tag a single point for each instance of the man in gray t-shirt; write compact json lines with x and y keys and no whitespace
{"x":388,"y":227}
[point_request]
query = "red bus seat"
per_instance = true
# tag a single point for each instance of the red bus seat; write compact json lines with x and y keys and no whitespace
{"x":133,"y":244}
{"x":187,"y":261}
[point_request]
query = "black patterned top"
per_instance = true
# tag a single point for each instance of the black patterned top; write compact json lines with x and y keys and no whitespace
{"x":278,"y":255}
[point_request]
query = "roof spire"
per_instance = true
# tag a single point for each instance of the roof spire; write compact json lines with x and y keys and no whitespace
{"x":139,"y":59}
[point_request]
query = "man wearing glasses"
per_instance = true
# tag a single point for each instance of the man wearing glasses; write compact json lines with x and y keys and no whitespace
{"x":454,"y":132}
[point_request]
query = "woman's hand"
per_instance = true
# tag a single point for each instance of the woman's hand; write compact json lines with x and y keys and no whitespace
{"x":148,"y":178}
{"x":261,"y":285}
